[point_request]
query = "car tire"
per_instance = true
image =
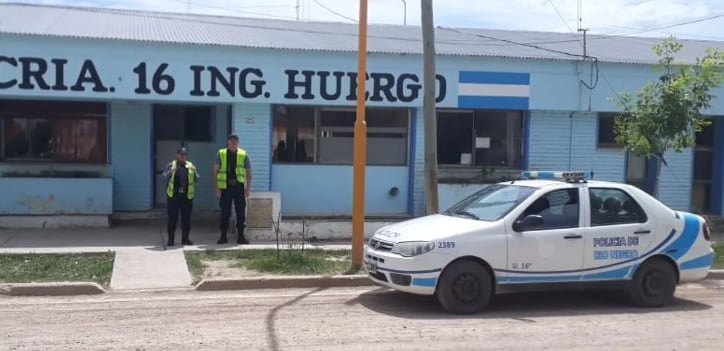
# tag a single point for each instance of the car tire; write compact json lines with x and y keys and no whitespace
{"x":464,"y":287}
{"x":654,"y":284}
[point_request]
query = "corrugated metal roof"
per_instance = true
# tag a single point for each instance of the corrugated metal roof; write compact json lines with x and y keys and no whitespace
{"x":114,"y":24}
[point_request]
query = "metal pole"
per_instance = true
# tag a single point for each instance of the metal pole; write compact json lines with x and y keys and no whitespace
{"x":428,"y":107}
{"x":404,"y":21}
{"x":360,"y":144}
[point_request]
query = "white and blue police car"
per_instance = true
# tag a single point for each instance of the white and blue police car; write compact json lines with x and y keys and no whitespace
{"x":552,"y":228}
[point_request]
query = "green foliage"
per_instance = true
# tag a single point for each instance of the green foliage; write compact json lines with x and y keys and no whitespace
{"x":666,"y":114}
{"x":56,"y":268}
{"x":718,"y":255}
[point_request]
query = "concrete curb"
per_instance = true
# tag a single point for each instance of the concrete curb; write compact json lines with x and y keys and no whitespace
{"x":51,"y":289}
{"x":264,"y":282}
{"x":284,"y":282}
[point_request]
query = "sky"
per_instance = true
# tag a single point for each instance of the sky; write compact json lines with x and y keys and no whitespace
{"x":693,"y":19}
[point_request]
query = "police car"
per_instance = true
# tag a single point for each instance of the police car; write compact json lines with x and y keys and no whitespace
{"x":552,"y":228}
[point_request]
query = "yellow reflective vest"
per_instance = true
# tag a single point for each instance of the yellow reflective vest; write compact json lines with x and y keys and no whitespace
{"x":192,"y":178}
{"x":240,"y":169}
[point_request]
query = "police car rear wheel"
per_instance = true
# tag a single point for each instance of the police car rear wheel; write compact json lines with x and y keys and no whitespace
{"x":653,"y":284}
{"x":464,"y":287}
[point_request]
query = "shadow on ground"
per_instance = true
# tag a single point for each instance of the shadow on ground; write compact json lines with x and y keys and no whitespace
{"x":521,"y":306}
{"x":272,"y":337}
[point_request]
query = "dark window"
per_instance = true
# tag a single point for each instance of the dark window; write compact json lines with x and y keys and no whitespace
{"x":606,"y":135}
{"x":613,"y":206}
{"x":705,"y":138}
{"x":455,"y":137}
{"x":703,"y":162}
{"x":183,"y":123}
{"x":479,"y":138}
{"x":72,"y":132}
{"x":293,"y":134}
{"x":326,"y":135}
{"x":559,"y":209}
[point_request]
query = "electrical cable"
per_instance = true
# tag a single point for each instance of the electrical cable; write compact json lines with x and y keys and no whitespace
{"x":334,"y":12}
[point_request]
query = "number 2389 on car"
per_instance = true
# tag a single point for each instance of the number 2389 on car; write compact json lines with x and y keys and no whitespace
{"x":557,"y":228}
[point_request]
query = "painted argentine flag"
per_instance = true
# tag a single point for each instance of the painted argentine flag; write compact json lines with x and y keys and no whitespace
{"x":499,"y":90}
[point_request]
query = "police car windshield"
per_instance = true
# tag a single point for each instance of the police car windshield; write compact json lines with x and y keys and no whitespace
{"x":491,"y":203}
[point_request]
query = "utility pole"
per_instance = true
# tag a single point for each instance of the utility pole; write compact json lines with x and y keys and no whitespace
{"x":360,"y":144}
{"x":404,"y":19}
{"x":581,"y":28}
{"x":428,"y":107}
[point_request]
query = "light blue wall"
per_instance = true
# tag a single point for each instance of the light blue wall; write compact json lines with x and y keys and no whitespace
{"x":676,"y":180}
{"x":130,"y":144}
{"x":56,"y":196}
{"x":325,"y":189}
{"x":252,"y":122}
{"x":563,"y":140}
{"x":555,"y":90}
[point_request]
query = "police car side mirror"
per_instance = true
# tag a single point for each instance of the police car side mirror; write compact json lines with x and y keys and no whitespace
{"x":528,"y":223}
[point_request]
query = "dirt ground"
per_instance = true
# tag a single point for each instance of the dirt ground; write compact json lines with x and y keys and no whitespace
{"x":358,"y":319}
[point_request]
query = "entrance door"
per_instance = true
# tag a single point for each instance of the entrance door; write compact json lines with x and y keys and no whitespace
{"x":175,"y":126}
{"x":704,"y":152}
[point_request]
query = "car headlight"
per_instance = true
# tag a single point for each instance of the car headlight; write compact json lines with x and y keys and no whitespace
{"x":413,"y":248}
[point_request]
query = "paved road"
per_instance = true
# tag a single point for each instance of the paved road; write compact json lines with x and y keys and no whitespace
{"x":358,"y":319}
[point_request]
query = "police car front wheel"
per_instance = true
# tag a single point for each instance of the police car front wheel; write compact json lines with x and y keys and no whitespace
{"x":465,"y":287}
{"x":654,"y":284}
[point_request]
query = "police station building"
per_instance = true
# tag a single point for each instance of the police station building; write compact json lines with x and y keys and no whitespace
{"x":94,"y":102}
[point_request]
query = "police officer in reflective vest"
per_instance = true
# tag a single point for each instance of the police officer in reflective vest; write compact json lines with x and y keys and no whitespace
{"x":181,"y":177}
{"x":233,"y":178}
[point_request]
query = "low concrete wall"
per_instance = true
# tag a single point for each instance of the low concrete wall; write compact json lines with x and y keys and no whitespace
{"x":56,"y":196}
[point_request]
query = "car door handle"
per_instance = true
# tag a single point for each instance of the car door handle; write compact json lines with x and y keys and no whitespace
{"x":573,"y":236}
{"x":642,"y":232}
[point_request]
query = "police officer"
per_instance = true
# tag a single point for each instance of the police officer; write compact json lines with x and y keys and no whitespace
{"x":232,"y":170}
{"x":181,"y":177}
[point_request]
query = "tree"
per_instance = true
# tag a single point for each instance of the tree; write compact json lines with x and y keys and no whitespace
{"x":666,"y":114}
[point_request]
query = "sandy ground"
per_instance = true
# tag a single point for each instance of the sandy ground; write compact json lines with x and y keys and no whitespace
{"x":223,"y":269}
{"x":358,"y":319}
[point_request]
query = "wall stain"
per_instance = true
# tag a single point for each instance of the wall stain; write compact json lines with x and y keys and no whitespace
{"x":37,"y":204}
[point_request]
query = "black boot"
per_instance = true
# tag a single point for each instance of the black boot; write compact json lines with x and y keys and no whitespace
{"x":222,"y":239}
{"x":171,"y":241}
{"x":241,"y":239}
{"x":185,"y":239}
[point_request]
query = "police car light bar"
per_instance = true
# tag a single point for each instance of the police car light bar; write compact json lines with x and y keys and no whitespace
{"x":576,"y":176}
